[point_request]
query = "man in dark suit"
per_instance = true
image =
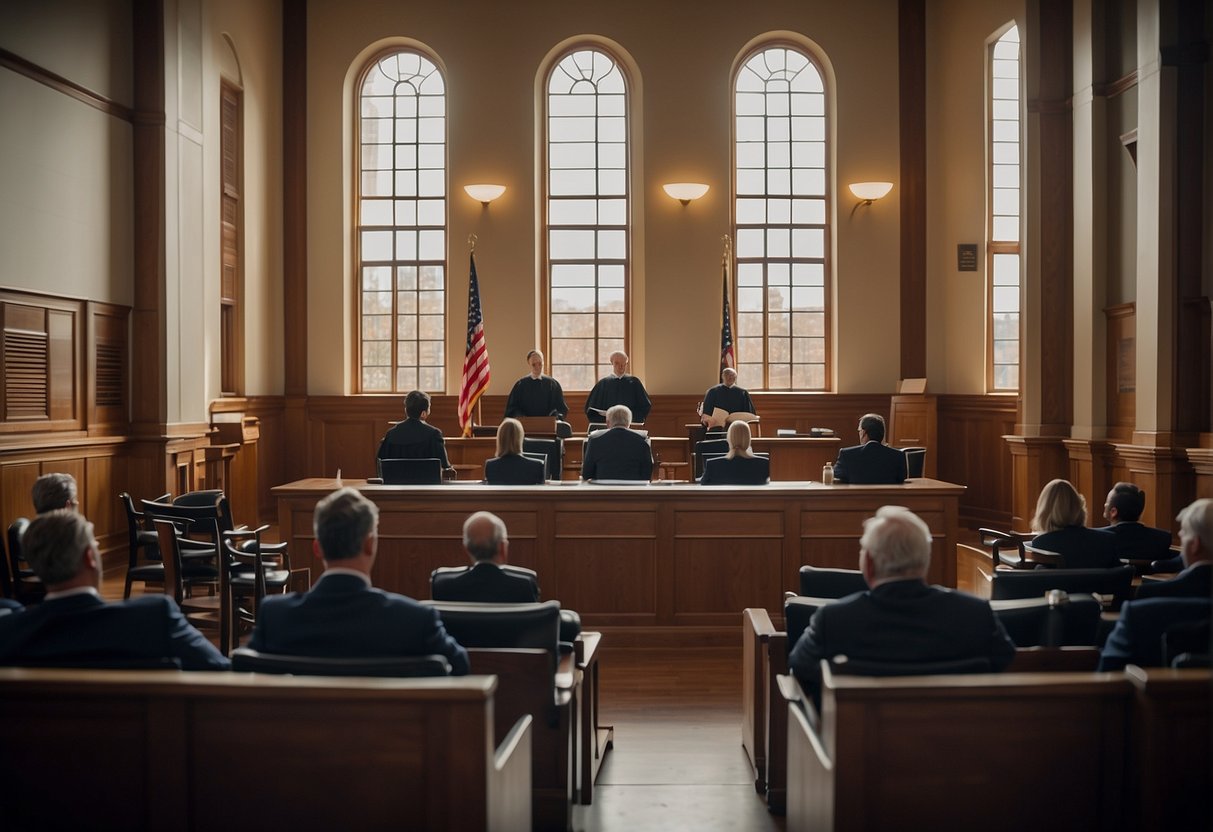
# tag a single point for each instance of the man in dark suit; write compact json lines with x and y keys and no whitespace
{"x":617,"y":453}
{"x":414,"y":438}
{"x":73,"y":624}
{"x":1134,"y":540}
{"x":618,"y":388}
{"x":488,"y":579}
{"x":1196,"y":549}
{"x":1137,"y":636}
{"x":342,"y":614}
{"x":900,"y":619}
{"x":871,"y":462}
{"x":536,"y":394}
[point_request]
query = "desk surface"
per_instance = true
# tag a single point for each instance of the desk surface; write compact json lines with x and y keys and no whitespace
{"x":652,"y":563}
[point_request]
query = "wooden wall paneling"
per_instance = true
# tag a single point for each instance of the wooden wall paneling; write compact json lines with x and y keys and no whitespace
{"x":271,"y":450}
{"x":296,"y":430}
{"x":912,"y":128}
{"x":974,"y":454}
{"x":43,"y":369}
{"x":707,"y":579}
{"x":1201,"y":460}
{"x":1121,"y":370}
{"x":913,"y":422}
{"x":16,"y":480}
{"x":107,"y":365}
{"x":612,"y":543}
{"x":65,"y":370}
{"x":1091,"y":466}
{"x":1165,"y":476}
{"x":1035,"y":461}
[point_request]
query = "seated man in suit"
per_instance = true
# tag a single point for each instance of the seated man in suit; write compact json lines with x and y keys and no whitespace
{"x":1060,"y":522}
{"x":1137,"y":636}
{"x":488,"y":579}
{"x":1196,"y":549}
{"x":900,"y":619}
{"x":617,"y":453}
{"x":414,"y":438}
{"x":1134,"y":540}
{"x":727,"y":396}
{"x":871,"y":462}
{"x":536,"y":394}
{"x":510,"y":467}
{"x":74,"y":624}
{"x":740,"y":466}
{"x":54,"y":491}
{"x":342,"y":614}
{"x":618,"y":388}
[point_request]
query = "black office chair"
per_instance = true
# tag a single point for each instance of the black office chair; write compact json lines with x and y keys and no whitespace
{"x":1114,"y":585}
{"x":798,"y":610}
{"x":245,"y":660}
{"x":822,"y":582}
{"x":915,"y":461}
{"x":705,"y":448}
{"x":550,"y":450}
{"x":23,"y":585}
{"x":411,"y":471}
{"x":1055,"y":620}
{"x":503,"y":625}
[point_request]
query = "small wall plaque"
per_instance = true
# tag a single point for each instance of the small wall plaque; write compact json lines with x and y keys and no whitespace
{"x":966,"y":257}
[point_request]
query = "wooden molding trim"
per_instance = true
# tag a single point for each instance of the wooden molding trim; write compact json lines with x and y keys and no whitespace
{"x":44,"y":76}
{"x":1111,"y":89}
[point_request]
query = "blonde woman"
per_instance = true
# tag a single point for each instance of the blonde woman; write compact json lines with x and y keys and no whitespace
{"x":510,"y":467}
{"x":740,"y":466}
{"x":1060,"y":526}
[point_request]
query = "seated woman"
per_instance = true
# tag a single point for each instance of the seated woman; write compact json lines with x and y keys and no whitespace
{"x":740,"y":466}
{"x":510,"y":467}
{"x":1060,"y":526}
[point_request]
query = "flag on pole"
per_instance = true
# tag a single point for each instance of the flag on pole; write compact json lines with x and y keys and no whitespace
{"x":727,"y":358}
{"x":475,"y":358}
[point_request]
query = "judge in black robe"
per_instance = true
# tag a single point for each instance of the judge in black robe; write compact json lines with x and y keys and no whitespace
{"x":727,"y":396}
{"x":536,"y":394}
{"x":618,"y":388}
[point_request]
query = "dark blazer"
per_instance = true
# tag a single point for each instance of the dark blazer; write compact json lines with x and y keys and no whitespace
{"x":487,"y":582}
{"x":1140,"y":542}
{"x":901,"y":621}
{"x":532,"y":396}
{"x":147,"y":627}
{"x":8,"y":605}
{"x":1080,"y":547}
{"x":610,"y":391}
{"x":413,"y":439}
{"x":740,"y":470}
{"x":341,"y":616}
{"x":1193,"y":582}
{"x":870,"y":464}
{"x":514,"y":469}
{"x":733,"y":399}
{"x":1137,"y":636}
{"x":617,"y":454}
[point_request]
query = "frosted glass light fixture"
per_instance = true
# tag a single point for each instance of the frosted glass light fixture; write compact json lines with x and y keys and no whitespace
{"x":684,"y":192}
{"x":869,"y":192}
{"x":484,"y":194}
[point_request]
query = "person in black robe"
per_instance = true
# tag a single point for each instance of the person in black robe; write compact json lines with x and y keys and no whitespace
{"x":536,"y":394}
{"x":727,"y":396}
{"x":618,"y":388}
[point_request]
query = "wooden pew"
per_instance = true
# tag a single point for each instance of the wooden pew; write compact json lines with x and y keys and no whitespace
{"x":215,"y":751}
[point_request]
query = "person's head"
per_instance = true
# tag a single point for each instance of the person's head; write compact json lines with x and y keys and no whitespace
{"x":896,"y":545}
{"x":535,"y":359}
{"x":485,"y":538}
{"x":619,"y":416}
{"x":1125,"y":503}
{"x":1195,"y":531}
{"x":1059,"y":506}
{"x":345,"y":524}
{"x":871,"y":427}
{"x":61,"y":549}
{"x":619,"y":362}
{"x":417,"y":404}
{"x":54,"y":491}
{"x":509,"y":437}
{"x":739,"y":440}
{"x":729,"y":376}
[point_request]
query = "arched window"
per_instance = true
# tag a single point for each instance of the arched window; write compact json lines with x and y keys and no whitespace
{"x":402,"y":225}
{"x":587,"y":215}
{"x":783,"y":297}
{"x":1002,"y":251}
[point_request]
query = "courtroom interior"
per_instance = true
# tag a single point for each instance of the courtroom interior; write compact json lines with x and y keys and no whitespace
{"x":237,"y":233}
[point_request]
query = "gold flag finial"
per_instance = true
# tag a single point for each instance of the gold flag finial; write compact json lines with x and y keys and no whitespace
{"x":472,"y":243}
{"x":728,"y":247}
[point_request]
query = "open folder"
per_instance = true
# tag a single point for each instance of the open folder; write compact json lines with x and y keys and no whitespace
{"x":721,"y":417}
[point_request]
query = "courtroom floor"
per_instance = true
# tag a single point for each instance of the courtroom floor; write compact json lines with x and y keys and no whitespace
{"x":677,"y":762}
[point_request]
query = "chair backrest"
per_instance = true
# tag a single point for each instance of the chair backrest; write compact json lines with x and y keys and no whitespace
{"x":170,"y":553}
{"x":1055,"y":620}
{"x":245,"y":660}
{"x":915,"y":461}
{"x":550,"y":450}
{"x":822,"y":582}
{"x":426,"y":471}
{"x":705,"y":449}
{"x":797,"y":611}
{"x":503,"y":625}
{"x":205,"y":499}
{"x":844,"y":666}
{"x":1188,"y":637}
{"x":1116,"y":583}
{"x":102,"y":660}
{"x":10,"y":570}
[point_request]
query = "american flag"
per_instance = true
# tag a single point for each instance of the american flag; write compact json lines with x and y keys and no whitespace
{"x":727,"y":358}
{"x":475,"y":359}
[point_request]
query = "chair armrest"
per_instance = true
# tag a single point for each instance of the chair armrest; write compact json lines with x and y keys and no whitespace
{"x":516,"y":743}
{"x":789,"y":688}
{"x":758,"y":621}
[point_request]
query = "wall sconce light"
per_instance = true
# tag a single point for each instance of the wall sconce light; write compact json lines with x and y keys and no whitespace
{"x":869,"y":192}
{"x":484,"y":194}
{"x":684,"y":192}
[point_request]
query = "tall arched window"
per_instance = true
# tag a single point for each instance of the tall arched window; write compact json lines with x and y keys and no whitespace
{"x":1002,"y":252}
{"x":783,"y":310}
{"x":587,"y":215}
{"x":402,"y":225}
